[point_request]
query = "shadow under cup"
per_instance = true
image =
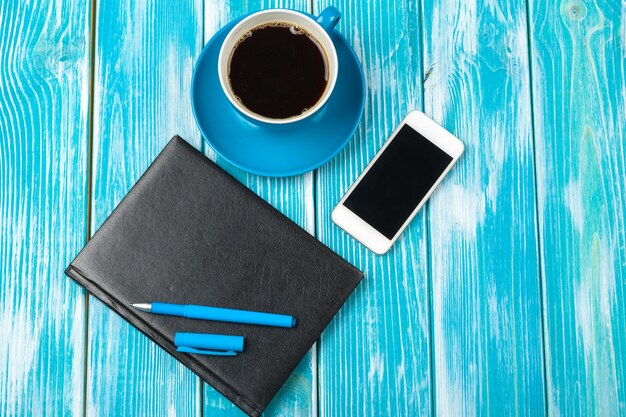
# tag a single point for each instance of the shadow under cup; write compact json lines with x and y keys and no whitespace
{"x":279,"y":67}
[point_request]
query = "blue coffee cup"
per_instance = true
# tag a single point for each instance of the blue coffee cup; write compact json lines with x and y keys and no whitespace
{"x":318,"y":27}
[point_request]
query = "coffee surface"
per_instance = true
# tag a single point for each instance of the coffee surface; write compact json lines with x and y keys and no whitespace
{"x":278,"y":71}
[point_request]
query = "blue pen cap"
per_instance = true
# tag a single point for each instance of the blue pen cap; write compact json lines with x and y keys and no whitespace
{"x":209,"y":341}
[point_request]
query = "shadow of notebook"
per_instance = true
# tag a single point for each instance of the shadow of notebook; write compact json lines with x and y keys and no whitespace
{"x":189,"y":233}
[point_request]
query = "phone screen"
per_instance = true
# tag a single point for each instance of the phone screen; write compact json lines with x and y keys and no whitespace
{"x":397,"y":182}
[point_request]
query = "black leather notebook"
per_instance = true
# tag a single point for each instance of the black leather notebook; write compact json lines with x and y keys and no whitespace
{"x":190,"y":233}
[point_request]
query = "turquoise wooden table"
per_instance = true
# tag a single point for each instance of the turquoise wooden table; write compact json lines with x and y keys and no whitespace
{"x":506,"y":295}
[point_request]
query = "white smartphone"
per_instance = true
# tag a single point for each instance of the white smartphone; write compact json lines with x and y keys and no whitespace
{"x":396,"y":183}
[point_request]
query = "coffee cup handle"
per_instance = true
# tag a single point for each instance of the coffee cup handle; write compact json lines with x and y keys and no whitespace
{"x":329,"y":18}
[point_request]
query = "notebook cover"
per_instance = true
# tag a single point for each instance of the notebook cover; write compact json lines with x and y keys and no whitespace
{"x":190,"y":233}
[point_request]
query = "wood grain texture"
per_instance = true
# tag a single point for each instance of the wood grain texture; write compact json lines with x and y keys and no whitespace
{"x":374,"y":356}
{"x":579,"y":91}
{"x":293,"y":197}
{"x":464,"y":282}
{"x":485,"y":271}
{"x":44,"y":90}
{"x":145,"y":52}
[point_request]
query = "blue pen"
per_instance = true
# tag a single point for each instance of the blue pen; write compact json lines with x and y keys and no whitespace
{"x":192,"y":311}
{"x":208,"y":344}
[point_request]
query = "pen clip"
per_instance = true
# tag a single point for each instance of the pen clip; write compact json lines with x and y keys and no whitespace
{"x":206,"y":351}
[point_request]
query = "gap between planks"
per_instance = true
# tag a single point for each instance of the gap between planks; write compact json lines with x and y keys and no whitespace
{"x":539,"y":243}
{"x":92,"y":69}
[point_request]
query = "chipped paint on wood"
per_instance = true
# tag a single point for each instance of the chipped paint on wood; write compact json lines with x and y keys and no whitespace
{"x":44,"y":95}
{"x":579,"y":85}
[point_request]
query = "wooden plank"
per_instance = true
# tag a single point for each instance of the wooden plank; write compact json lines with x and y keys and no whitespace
{"x":485,"y":270}
{"x":143,"y":65}
{"x":374,"y":356}
{"x":44,"y":90}
{"x":579,"y":96}
{"x":292,"y":196}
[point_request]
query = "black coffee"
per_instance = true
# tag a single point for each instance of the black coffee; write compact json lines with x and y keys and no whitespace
{"x":278,"y":70}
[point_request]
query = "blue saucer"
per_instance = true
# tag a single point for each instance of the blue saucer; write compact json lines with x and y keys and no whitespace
{"x":277,"y":152}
